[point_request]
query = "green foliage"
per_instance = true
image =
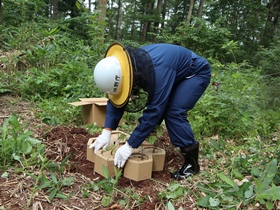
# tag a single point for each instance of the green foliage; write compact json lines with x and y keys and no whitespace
{"x":173,"y":191}
{"x":235,"y":104}
{"x":264,"y":180}
{"x":56,"y":181}
{"x":231,"y":15}
{"x":204,"y":39}
{"x":240,"y":172}
{"x":16,"y":12}
{"x":69,"y":80}
{"x":109,"y":183}
{"x":268,"y":59}
{"x":53,"y":185}
{"x":231,"y":193}
{"x":231,"y":48}
{"x":158,"y":132}
{"x":171,"y":207}
{"x":52,"y":67}
{"x":16,"y":144}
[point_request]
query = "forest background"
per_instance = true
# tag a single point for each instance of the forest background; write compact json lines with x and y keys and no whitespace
{"x":48,"y":49}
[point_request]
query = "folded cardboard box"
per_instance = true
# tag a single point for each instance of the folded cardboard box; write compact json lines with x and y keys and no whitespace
{"x":93,"y":110}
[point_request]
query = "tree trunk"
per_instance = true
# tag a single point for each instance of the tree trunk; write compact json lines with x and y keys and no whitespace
{"x":111,"y":32}
{"x":102,"y":6}
{"x":156,"y":24}
{"x":190,"y":12}
{"x":200,"y":9}
{"x":89,"y":5}
{"x":146,"y":24}
{"x":271,"y":22}
{"x":175,"y":23}
{"x":1,"y":18}
{"x":163,"y":13}
{"x":182,"y":17}
{"x":159,"y":11}
{"x":55,"y":9}
{"x":48,"y":9}
{"x":133,"y":26}
{"x":119,"y":18}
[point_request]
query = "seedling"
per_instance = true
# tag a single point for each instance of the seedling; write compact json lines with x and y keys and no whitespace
{"x":109,"y":184}
{"x":232,"y":193}
{"x":54,"y":184}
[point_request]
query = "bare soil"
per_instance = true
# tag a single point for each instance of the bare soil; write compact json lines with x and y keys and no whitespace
{"x":17,"y":191}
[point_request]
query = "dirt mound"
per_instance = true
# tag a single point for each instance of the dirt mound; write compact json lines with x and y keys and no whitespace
{"x":62,"y":141}
{"x":16,"y":190}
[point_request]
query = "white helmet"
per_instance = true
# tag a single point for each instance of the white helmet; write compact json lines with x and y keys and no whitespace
{"x":108,"y":75}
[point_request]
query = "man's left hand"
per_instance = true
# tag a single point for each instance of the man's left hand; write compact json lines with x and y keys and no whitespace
{"x":122,"y":154}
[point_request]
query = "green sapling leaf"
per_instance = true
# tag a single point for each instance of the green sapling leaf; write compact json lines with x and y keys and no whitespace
{"x":61,"y":195}
{"x":228,"y":181}
{"x":203,"y":201}
{"x":34,"y":141}
{"x":249,"y":193}
{"x":272,"y":193}
{"x":106,"y":201}
{"x":173,"y":186}
{"x":54,"y":179}
{"x":67,"y":181}
{"x":214,"y":202}
{"x":53,"y":193}
{"x":5,"y":174}
{"x":170,"y":206}
{"x":16,"y":157}
{"x":268,"y":174}
{"x":105,"y":172}
{"x":269,"y":205}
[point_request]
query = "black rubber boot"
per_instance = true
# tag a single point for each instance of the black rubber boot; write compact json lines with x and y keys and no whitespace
{"x":191,"y":166}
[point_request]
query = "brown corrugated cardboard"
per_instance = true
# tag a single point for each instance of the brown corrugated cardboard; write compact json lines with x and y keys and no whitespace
{"x":93,"y":110}
{"x":138,"y":167}
{"x":158,"y":155}
{"x":117,"y":138}
{"x":105,"y":158}
{"x":90,"y":152}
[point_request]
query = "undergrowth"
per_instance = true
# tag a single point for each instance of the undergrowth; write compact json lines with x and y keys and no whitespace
{"x":238,"y":175}
{"x":236,"y":120}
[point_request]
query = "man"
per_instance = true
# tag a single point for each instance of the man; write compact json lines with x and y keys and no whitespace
{"x":174,"y":79}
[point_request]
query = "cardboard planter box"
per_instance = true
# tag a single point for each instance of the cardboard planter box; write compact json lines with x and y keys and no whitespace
{"x":138,"y":167}
{"x":117,"y":138}
{"x":158,"y":155}
{"x":93,"y":110}
{"x":90,"y":152}
{"x":105,"y":158}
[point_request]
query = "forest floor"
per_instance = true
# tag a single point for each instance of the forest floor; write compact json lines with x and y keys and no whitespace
{"x":17,"y":191}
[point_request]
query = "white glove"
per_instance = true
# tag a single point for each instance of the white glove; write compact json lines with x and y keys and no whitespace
{"x":102,"y":140}
{"x":122,"y":154}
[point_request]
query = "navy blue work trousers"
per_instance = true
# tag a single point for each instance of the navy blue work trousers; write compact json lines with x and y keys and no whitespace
{"x":182,"y":99}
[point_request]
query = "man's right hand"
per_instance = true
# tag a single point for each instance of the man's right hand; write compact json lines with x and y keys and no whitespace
{"x":102,"y":141}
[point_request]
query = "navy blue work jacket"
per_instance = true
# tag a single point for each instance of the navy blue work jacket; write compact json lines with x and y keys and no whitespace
{"x":172,"y":64}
